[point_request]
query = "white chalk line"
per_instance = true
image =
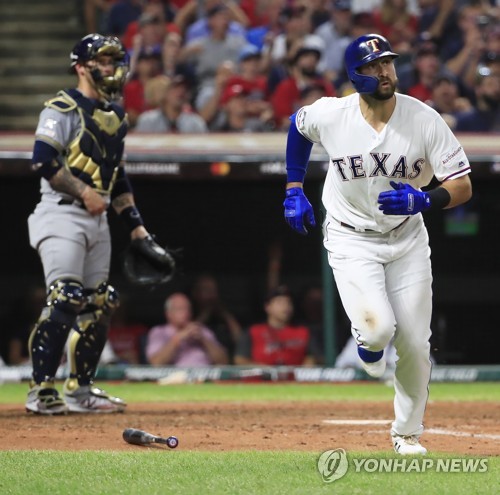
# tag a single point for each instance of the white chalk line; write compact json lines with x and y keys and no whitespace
{"x":431,"y":431}
{"x":357,"y":421}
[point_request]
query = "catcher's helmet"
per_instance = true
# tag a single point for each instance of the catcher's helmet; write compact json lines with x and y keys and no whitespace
{"x":93,"y":46}
{"x":361,"y":51}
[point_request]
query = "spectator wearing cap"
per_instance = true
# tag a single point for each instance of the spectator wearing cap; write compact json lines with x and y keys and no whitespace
{"x":236,"y":113}
{"x":336,"y":35}
{"x":152,"y":9}
{"x":172,"y":66}
{"x":121,"y":14}
{"x":297,"y":27}
{"x":192,"y":19}
{"x":311,"y":93}
{"x":427,"y":67}
{"x":174,"y":115}
{"x":286,"y":98}
{"x":485,"y":115}
{"x":209,"y":53}
{"x":362,"y":23}
{"x":446,"y":99}
{"x":148,"y":40}
{"x":147,"y":67}
{"x":277,"y":341}
{"x":250,"y":76}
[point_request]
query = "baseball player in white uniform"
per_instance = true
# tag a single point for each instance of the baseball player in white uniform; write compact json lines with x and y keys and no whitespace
{"x":383,"y":148}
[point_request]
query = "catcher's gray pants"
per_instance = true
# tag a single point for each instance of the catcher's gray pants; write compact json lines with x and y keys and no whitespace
{"x":71,"y":243}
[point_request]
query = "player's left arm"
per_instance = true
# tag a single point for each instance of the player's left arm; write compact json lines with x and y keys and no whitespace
{"x":404,"y":199}
{"x":123,"y":202}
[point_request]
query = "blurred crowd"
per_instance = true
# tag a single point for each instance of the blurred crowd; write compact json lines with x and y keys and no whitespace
{"x":246,"y":65}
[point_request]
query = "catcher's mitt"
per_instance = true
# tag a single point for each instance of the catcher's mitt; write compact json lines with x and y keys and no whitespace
{"x":147,"y":263}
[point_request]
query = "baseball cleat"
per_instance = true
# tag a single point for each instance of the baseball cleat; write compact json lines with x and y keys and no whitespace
{"x":45,"y":400}
{"x":375,"y":369}
{"x":89,"y":399}
{"x":407,"y":445}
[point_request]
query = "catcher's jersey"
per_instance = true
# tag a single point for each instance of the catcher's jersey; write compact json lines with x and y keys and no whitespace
{"x":89,"y":138}
{"x":415,"y":145}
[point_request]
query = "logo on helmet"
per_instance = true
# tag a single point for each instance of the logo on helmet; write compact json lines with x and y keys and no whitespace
{"x":374,"y":45}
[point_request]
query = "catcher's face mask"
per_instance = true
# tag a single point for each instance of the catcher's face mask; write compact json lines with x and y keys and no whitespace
{"x":107,"y":62}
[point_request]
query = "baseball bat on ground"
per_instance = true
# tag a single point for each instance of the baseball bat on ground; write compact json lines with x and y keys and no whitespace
{"x":140,"y":437}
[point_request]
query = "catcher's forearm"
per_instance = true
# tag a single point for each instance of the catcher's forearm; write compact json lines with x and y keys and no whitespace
{"x":124,"y":206}
{"x":123,"y":201}
{"x":64,"y":181}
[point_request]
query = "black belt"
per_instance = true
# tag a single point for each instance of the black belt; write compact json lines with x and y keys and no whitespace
{"x":75,"y":202}
{"x":347,"y":226}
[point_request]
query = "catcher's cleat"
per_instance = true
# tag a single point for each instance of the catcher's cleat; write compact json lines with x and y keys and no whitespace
{"x":45,"y":400}
{"x":407,"y":445}
{"x":89,"y":399}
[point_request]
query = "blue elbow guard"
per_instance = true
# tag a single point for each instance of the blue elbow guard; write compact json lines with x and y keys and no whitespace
{"x":298,"y":151}
{"x":44,"y":160}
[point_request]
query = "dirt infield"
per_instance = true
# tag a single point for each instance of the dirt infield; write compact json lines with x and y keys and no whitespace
{"x":461,"y":428}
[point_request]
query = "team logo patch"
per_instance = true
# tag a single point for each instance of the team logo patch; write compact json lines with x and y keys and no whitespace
{"x":48,"y":128}
{"x":301,"y":117}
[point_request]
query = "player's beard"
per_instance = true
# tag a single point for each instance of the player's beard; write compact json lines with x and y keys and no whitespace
{"x":385,"y":93}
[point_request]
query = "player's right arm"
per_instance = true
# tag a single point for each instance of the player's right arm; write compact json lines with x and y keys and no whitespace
{"x":47,"y":163}
{"x":52,"y":136}
{"x":298,"y":209}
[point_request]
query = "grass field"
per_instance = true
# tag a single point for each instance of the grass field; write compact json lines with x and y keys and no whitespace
{"x":244,"y":472}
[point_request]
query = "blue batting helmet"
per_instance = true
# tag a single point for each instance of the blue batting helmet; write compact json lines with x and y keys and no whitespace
{"x":91,"y":47}
{"x":361,"y":51}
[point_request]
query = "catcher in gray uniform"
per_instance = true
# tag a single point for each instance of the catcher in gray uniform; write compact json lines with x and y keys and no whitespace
{"x":78,"y":152}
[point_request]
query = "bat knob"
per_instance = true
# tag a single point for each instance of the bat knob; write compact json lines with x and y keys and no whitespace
{"x":172,"y":442}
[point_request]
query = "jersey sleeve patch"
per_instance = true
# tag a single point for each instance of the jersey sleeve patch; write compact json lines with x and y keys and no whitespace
{"x":47,"y":128}
{"x":454,"y":158}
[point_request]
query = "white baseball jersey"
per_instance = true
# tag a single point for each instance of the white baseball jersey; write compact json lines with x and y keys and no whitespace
{"x":415,"y":145}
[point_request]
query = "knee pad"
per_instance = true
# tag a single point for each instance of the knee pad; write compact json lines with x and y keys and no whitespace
{"x":47,"y":339}
{"x":65,"y":300}
{"x":102,"y":301}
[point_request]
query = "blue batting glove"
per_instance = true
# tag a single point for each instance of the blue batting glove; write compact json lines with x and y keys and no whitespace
{"x":404,"y":200}
{"x":297,"y":207}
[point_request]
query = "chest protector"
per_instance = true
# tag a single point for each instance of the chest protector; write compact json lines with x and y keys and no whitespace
{"x":95,"y":154}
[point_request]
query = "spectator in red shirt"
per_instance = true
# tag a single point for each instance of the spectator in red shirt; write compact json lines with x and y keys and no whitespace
{"x":417,"y":77}
{"x":303,"y":72}
{"x":148,"y":66}
{"x":394,"y":21}
{"x":154,"y":10}
{"x":277,"y":341}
